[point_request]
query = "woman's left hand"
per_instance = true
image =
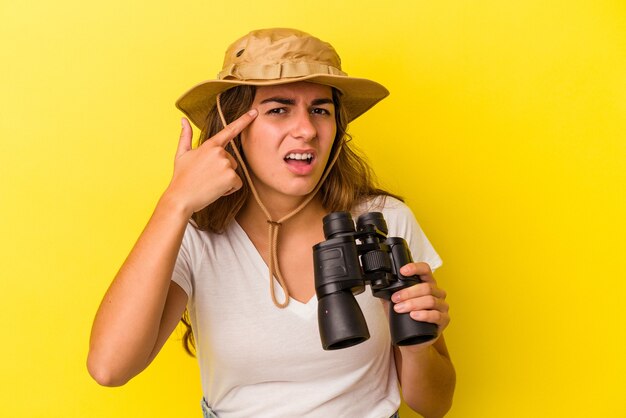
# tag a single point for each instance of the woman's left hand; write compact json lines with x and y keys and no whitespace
{"x":424,"y":301}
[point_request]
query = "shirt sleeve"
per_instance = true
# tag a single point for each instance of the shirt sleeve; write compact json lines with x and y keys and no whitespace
{"x":183,"y":272}
{"x":402,"y":223}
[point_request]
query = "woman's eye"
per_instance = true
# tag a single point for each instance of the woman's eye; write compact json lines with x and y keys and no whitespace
{"x":276,"y":111}
{"x":320,"y":111}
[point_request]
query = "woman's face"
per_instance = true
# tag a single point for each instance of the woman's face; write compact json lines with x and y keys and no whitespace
{"x":288,"y":144}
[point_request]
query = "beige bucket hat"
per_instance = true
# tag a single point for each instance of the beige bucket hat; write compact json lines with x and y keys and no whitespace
{"x":279,"y":56}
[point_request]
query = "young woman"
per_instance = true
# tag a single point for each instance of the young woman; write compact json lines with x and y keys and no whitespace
{"x":228,"y":248}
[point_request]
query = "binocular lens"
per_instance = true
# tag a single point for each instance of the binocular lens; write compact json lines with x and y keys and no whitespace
{"x":337,"y":223}
{"x":372,"y":218}
{"x":341,"y":321}
{"x":406,"y":331}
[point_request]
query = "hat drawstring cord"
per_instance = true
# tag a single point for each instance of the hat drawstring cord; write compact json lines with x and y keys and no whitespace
{"x":274,"y":226}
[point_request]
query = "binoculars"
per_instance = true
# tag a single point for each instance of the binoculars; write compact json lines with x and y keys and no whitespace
{"x":347,"y":261}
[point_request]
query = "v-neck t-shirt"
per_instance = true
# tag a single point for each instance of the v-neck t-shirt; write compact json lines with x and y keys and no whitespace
{"x":257,"y":360}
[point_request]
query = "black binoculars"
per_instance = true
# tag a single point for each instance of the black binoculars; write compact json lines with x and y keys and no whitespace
{"x":344,"y":267}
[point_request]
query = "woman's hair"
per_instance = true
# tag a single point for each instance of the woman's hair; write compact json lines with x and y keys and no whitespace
{"x":349,"y":182}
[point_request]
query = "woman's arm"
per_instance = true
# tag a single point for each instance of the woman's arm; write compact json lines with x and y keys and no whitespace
{"x":426,"y":373}
{"x":142,"y":306}
{"x":133,"y":316}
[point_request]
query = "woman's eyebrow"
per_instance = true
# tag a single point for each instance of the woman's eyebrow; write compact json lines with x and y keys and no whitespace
{"x":318,"y":102}
{"x":280,"y":100}
{"x":292,"y":102}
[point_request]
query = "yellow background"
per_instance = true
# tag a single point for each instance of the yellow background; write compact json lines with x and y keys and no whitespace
{"x":505,"y":131}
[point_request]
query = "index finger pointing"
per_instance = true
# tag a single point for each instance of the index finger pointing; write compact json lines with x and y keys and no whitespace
{"x":223,"y":137}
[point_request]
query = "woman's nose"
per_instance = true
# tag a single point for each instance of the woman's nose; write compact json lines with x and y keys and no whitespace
{"x":303,"y":127}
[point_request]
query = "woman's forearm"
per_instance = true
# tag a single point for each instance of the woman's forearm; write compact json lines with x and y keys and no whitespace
{"x":127,"y":324}
{"x":427,"y":378}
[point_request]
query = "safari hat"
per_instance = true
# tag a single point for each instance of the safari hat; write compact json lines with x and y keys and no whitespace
{"x":278,"y":56}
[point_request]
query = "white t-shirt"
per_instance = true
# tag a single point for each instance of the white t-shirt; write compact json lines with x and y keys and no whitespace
{"x":257,"y":360}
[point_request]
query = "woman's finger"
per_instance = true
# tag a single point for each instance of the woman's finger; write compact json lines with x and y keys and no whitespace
{"x":423,"y":303}
{"x":223,"y":137}
{"x":186,"y":134}
{"x":419,"y":290}
{"x":416,"y":269}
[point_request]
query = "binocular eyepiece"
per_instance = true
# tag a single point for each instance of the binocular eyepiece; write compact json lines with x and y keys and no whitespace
{"x":343,"y":267}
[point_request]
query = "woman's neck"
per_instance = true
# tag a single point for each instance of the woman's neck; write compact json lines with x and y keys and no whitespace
{"x":252,"y":216}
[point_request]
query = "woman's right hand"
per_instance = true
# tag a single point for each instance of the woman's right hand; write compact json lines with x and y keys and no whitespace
{"x":203,"y":175}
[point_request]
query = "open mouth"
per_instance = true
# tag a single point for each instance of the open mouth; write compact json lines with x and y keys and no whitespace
{"x":304,"y":158}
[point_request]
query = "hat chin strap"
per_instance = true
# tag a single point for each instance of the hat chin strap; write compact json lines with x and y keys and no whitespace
{"x":274,"y":226}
